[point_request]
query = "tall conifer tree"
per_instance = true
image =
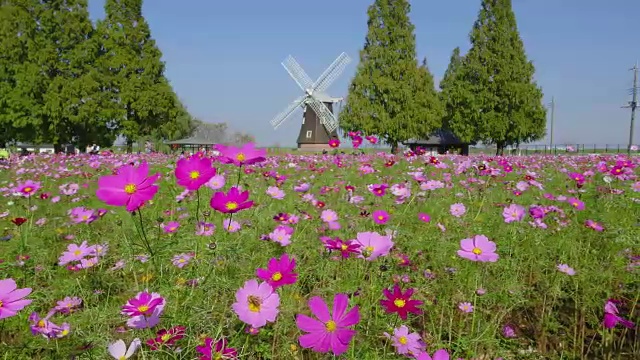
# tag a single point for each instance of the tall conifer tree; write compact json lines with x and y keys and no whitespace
{"x":134,"y":70}
{"x":385,"y":97}
{"x":493,"y":97}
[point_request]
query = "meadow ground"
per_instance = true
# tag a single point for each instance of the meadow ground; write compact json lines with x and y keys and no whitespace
{"x":565,"y":229}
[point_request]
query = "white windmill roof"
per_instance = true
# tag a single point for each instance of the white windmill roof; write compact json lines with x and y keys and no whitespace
{"x":323,"y":97}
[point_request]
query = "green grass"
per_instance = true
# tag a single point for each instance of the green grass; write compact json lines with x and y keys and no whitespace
{"x":556,"y":316}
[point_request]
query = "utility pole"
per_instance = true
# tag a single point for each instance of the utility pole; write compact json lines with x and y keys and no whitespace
{"x":633,"y":104}
{"x":553,"y":113}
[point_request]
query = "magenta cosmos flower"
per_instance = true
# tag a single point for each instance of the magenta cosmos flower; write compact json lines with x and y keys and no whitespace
{"x":513,"y":212}
{"x":231,"y":202}
{"x":279,"y":272}
{"x":132,"y":187}
{"x":329,"y":332}
{"x":380,"y":217}
{"x":194,"y":172}
{"x":12,"y":298}
{"x":216,"y":351}
{"x":144,"y":303}
{"x":612,"y":316}
{"x":441,"y":354}
{"x":256,"y":304}
{"x":478,"y":248}
{"x":246,"y":155}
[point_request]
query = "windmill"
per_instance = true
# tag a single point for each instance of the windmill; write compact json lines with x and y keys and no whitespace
{"x":319,"y":124}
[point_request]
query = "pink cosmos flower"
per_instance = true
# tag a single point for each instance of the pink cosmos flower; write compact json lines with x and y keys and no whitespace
{"x":231,"y":202}
{"x":28,"y":188}
{"x":68,"y":305}
{"x":566,"y":269}
{"x":457,"y":209}
{"x":373,"y":245}
{"x":182,"y":260}
{"x":380,"y":217}
{"x":43,"y":326}
{"x":194,"y":172}
{"x":75,"y":253}
{"x":205,"y":229}
{"x":406,"y":343}
{"x":131,"y":187}
{"x":513,"y":212}
{"x":256,"y":303}
{"x":329,"y":216}
{"x":280,"y":235}
{"x":329,"y":332}
{"x":478,"y":248}
{"x":216,"y":182}
{"x":424,"y":217}
{"x":576,"y":203}
{"x":465,"y":307}
{"x":245,"y":155}
{"x":279,"y":272}
{"x":170,"y":227}
{"x":11,"y":298}
{"x":593,"y":225}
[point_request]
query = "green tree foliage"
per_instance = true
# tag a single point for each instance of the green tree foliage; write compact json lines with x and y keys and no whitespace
{"x":62,"y":80}
{"x":21,"y":83}
{"x":492,"y":97}
{"x":390,"y":96}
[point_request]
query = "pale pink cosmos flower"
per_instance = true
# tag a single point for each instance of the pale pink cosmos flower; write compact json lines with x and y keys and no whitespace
{"x":406,"y":343}
{"x":373,"y":245}
{"x":457,"y":209}
{"x":566,"y":269}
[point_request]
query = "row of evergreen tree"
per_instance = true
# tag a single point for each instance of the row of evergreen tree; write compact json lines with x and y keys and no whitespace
{"x":62,"y":78}
{"x":488,"y":95}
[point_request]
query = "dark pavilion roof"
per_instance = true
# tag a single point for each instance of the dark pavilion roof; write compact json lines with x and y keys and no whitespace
{"x":438,"y":137}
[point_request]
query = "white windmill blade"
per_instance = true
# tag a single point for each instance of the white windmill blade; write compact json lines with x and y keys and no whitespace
{"x":297,"y":73}
{"x":324,"y":114}
{"x":331,"y":74}
{"x":280,"y":118}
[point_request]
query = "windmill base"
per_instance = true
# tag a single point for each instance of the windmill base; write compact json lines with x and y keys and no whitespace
{"x":314,"y":147}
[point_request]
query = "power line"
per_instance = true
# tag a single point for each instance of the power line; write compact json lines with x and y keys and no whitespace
{"x":633,"y":104}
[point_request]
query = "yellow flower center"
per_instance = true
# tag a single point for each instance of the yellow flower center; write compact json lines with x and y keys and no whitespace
{"x":28,"y":189}
{"x":231,"y":205}
{"x":403,"y":340}
{"x":194,"y":175}
{"x":0,"y":303}
{"x":477,"y":251}
{"x":77,"y":253}
{"x":254,"y":303}
{"x":85,"y":217}
{"x":380,"y":217}
{"x":65,"y":332}
{"x":181,"y":260}
{"x":165,"y":337}
{"x":130,"y":188}
{"x":240,"y":157}
{"x":399,"y":303}
{"x":122,"y":358}
{"x":173,"y":228}
{"x":369,"y":248}
{"x":143,"y":308}
{"x":575,"y":204}
{"x":344,"y":247}
{"x":331,"y":326}
{"x":277,"y":276}
{"x":41,"y":324}
{"x":218,"y":356}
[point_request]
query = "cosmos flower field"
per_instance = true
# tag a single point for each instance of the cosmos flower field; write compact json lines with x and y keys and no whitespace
{"x":249,"y":256}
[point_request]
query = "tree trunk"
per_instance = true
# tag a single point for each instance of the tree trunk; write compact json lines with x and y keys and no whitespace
{"x":394,"y":147}
{"x":129,"y":146}
{"x":499,"y":149}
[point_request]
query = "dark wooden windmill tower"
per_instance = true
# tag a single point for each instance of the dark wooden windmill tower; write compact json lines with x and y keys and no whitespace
{"x":319,"y":123}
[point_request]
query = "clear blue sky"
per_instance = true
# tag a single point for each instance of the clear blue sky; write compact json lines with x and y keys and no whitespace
{"x":223,"y":57}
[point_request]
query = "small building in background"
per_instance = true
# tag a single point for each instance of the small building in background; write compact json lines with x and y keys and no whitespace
{"x":439,"y":142}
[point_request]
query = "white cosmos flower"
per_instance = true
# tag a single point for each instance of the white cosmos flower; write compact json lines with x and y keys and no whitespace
{"x":119,"y":349}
